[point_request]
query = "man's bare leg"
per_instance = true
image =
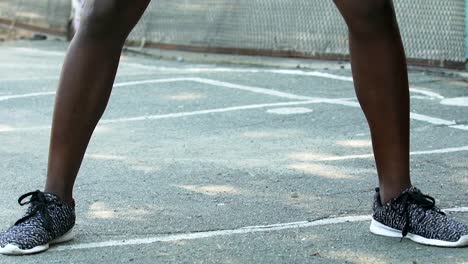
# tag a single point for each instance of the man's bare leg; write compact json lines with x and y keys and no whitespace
{"x":85,"y":86}
{"x":84,"y":89}
{"x":381,"y":82}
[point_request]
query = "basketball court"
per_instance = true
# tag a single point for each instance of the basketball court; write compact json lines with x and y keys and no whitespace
{"x":204,"y":163}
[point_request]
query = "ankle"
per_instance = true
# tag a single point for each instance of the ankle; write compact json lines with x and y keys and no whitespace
{"x":387,"y":194}
{"x":64,"y":196}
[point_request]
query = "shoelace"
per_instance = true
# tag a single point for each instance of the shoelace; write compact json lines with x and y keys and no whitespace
{"x":39,"y":205}
{"x":422,"y":200}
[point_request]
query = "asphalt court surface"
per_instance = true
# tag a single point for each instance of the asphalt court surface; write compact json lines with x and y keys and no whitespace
{"x":227,"y":164}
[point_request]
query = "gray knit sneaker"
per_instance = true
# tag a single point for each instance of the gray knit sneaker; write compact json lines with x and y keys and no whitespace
{"x":47,"y":221}
{"x":414,"y":215}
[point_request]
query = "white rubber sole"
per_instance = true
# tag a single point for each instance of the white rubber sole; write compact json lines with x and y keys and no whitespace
{"x":12,"y":249}
{"x":383,"y":230}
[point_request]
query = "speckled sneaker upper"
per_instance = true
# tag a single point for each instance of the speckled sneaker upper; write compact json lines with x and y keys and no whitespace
{"x":414,"y":215}
{"x":47,"y":221}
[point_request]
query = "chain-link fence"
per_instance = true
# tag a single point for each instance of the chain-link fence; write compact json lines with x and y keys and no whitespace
{"x":433,"y":30}
{"x":51,"y":16}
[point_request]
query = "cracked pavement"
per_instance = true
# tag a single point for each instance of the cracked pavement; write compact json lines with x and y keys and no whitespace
{"x":176,"y":157}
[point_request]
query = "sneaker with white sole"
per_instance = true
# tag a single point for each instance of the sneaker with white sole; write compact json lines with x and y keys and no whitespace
{"x":48,"y":220}
{"x":414,"y":215}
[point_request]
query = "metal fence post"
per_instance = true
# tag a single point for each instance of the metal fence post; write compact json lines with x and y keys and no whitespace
{"x":466,"y":31}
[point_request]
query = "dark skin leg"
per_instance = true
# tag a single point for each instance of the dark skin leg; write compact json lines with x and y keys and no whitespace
{"x":85,"y":86}
{"x":381,"y":83}
{"x":379,"y":69}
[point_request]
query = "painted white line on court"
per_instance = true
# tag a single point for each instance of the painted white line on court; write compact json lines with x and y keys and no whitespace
{"x":239,"y":70}
{"x":306,"y":73}
{"x":413,"y":153}
{"x":23,"y":129}
{"x":245,"y":70}
{"x":349,"y":157}
{"x":235,"y":108}
{"x":222,"y":84}
{"x":290,"y":72}
{"x":198,"y":80}
{"x":105,"y":157}
{"x":348,"y":79}
{"x":193,"y":69}
{"x":314,"y":74}
{"x":210,"y":234}
{"x":461,"y":127}
{"x":179,"y":115}
{"x":122,"y":84}
{"x":227,"y":232}
{"x":35,"y":66}
{"x":431,"y":120}
{"x":253,"y":89}
{"x":10,"y":97}
{"x":420,"y":97}
{"x":425,"y":92}
{"x":289,"y":110}
{"x":437,"y":121}
{"x":39,"y":51}
{"x":457,"y":210}
{"x":414,"y":116}
{"x":134,"y":83}
{"x":46,"y":78}
{"x":457,"y":101}
{"x":419,"y":90}
{"x":152,"y":68}
{"x":209,"y":111}
{"x":271,"y":92}
{"x":440,"y":151}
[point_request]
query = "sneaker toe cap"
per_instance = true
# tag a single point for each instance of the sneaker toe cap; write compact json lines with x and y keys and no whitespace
{"x":22,"y":238}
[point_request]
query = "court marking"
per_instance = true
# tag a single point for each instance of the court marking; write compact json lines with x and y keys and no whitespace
{"x":265,"y":91}
{"x":20,"y":66}
{"x":177,"y":115}
{"x":209,"y":111}
{"x":457,"y":101}
{"x":289,"y":110}
{"x":46,"y":78}
{"x":418,"y":90}
{"x":438,"y":121}
{"x":222,"y":84}
{"x":27,"y":95}
{"x":23,"y":50}
{"x":413,"y":153}
{"x":262,"y":228}
{"x":216,"y":83}
{"x":430,"y":94}
{"x":227,"y":232}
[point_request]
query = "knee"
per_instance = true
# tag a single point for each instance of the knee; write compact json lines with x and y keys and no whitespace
{"x":369,"y":16}
{"x":104,"y":19}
